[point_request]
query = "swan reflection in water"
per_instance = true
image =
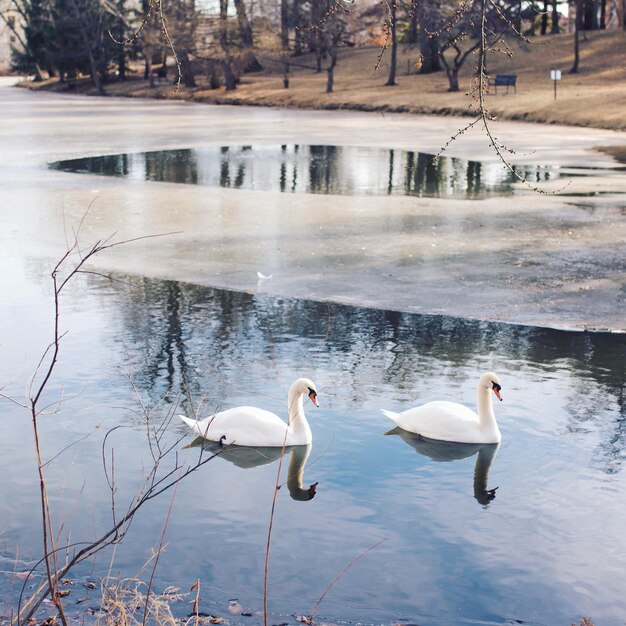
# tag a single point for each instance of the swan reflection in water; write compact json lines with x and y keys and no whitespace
{"x":451,"y":451}
{"x":248,"y":456}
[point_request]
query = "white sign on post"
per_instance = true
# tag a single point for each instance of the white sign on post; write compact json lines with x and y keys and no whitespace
{"x":555,"y":75}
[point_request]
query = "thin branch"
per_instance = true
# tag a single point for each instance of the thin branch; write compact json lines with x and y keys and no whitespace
{"x":341,"y":575}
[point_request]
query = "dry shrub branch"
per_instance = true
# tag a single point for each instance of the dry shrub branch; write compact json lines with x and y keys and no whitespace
{"x":168,"y":469}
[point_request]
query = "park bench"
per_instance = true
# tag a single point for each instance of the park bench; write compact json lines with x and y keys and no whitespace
{"x":503,"y":80}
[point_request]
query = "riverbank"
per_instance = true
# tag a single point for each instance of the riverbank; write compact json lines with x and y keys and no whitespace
{"x":594,"y":97}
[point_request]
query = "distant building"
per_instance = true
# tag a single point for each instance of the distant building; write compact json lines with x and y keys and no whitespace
{"x":8,"y":22}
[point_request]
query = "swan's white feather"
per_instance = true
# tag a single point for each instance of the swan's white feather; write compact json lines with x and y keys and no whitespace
{"x":251,"y":426}
{"x":451,"y":421}
{"x":243,"y":426}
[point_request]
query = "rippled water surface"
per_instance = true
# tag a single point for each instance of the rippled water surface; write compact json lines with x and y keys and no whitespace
{"x":323,"y":169}
{"x":548,"y":549}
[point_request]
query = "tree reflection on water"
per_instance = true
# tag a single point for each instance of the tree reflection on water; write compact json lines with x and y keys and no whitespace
{"x":317,"y":169}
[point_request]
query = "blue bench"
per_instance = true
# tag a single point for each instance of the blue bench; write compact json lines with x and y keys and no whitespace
{"x":504,"y":80}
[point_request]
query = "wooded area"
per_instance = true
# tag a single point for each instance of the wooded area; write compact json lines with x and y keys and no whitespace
{"x":108,"y":39}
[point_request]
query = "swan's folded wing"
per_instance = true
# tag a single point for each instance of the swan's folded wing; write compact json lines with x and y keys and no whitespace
{"x":247,"y":426}
{"x":443,"y":420}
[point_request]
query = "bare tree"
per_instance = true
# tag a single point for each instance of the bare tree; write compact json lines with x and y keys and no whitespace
{"x":228,"y":61}
{"x":470,"y":28}
{"x":249,"y":62}
{"x":284,"y":24}
{"x":429,"y":16}
{"x":577,"y":28}
{"x":544,"y":18}
{"x":392,"y":31}
{"x":555,"y":30}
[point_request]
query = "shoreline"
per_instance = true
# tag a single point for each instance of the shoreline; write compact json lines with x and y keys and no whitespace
{"x":594,"y":97}
{"x":200,"y":95}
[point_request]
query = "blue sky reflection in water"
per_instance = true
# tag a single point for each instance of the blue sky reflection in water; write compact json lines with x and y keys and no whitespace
{"x":549,"y":549}
{"x":324,"y":169}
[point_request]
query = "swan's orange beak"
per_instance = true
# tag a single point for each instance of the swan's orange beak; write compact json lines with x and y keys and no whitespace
{"x":497,"y":392}
{"x":313,"y":398}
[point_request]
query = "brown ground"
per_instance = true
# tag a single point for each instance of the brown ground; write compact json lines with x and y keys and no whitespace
{"x":596,"y":96}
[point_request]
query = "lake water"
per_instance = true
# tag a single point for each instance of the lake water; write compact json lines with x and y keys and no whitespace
{"x":548,"y":549}
{"x":325,"y":169}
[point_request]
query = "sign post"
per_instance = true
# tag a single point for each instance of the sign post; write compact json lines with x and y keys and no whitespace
{"x":555,"y":75}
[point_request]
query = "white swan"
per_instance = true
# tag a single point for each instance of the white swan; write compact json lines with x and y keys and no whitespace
{"x":250,"y":426}
{"x":450,"y":421}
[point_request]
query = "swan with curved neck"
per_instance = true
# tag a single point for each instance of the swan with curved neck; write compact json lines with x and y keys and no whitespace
{"x":450,"y":421}
{"x":251,"y":426}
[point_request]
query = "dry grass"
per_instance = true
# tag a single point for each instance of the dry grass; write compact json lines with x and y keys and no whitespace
{"x":596,"y":96}
{"x":128,"y":603}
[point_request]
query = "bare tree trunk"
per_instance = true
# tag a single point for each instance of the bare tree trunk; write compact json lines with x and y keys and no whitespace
{"x":245,"y":29}
{"x":186,"y":69}
{"x":603,"y":15}
{"x":453,"y":68}
{"x":318,"y":53}
{"x":555,"y":30}
{"x":317,"y":41}
{"x":230,"y":81}
{"x":391,"y":81}
{"x":214,"y":81}
{"x":297,"y":18}
{"x":518,"y":17}
{"x":411,"y":33}
{"x":429,"y":44}
{"x":577,"y":24}
{"x":544,"y":18}
{"x":588,"y":14}
{"x":95,"y":75}
{"x":223,"y":24}
{"x":148,"y":73}
{"x":230,"y":78}
{"x":453,"y":79}
{"x":330,"y":70}
{"x":121,"y":64}
{"x":284,"y":24}
{"x":250,"y":62}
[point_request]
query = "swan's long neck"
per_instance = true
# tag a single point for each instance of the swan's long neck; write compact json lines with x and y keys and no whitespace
{"x":486,"y":416}
{"x":298,"y":426}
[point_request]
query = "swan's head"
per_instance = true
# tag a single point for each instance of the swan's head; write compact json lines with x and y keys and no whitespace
{"x":306,"y":387}
{"x":489,"y":380}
